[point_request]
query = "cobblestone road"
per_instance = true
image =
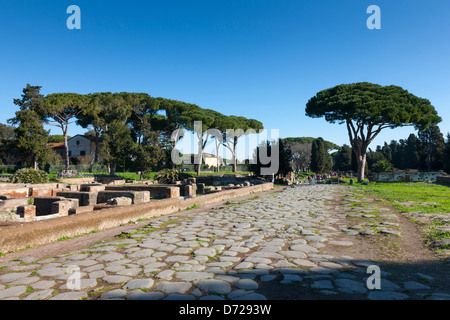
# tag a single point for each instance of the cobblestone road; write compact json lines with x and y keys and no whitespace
{"x":276,"y":246}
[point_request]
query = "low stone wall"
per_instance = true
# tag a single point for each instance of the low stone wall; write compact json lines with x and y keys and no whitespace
{"x":223,"y":180}
{"x":406,"y":176}
{"x":443,"y":179}
{"x":88,"y":180}
{"x":44,"y":204}
{"x":22,"y":235}
{"x":136,"y":196}
{"x":156,"y":191}
{"x":85,"y":198}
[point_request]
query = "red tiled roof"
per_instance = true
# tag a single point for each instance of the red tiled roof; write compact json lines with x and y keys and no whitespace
{"x":56,"y":145}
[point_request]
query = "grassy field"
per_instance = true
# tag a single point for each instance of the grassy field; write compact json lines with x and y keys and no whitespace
{"x":417,"y":199}
{"x":412,"y":197}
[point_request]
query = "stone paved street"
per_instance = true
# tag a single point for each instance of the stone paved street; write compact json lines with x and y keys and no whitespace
{"x":294,"y":244}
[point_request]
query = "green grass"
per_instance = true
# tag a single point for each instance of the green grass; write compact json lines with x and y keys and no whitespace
{"x":208,"y":173}
{"x":422,"y":197}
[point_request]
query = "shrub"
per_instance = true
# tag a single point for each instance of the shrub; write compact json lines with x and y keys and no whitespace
{"x":29,"y":175}
{"x":170,"y":176}
{"x":167,"y":175}
{"x":382,"y":166}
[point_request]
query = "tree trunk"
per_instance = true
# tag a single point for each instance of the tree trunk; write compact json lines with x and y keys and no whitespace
{"x":113,"y":169}
{"x":66,"y":149}
{"x":35,"y":163}
{"x":97,"y":136}
{"x":174,"y":146}
{"x":234,"y":154}
{"x":361,"y":160}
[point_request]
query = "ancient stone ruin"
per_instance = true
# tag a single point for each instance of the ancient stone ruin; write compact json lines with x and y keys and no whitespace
{"x":33,"y":202}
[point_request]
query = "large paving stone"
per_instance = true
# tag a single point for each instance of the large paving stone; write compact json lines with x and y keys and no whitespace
{"x":10,"y":277}
{"x":350,"y":286}
{"x":139,"y":284}
{"x":12,"y":292}
{"x":214,"y":286}
{"x":193,"y":276}
{"x":70,"y":296}
{"x":174,"y":287}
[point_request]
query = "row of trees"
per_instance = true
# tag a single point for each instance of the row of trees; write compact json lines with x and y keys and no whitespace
{"x":429,"y":151}
{"x":128,"y":127}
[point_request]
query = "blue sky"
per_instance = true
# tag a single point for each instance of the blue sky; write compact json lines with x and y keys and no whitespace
{"x":259,"y":59}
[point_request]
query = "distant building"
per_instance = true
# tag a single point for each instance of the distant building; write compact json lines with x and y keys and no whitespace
{"x":208,"y":159}
{"x":79,"y":145}
{"x":58,"y":147}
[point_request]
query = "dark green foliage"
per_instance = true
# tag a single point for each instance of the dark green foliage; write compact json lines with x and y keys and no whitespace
{"x":30,"y":136}
{"x":6,"y":134}
{"x":116,"y":145}
{"x":320,"y":158}
{"x":446,"y":155}
{"x":148,"y":154}
{"x":374,"y":157}
{"x":29,"y":175}
{"x":343,"y":159}
{"x":284,"y":157}
{"x":382,"y":166}
{"x":170,"y":176}
{"x":431,"y":148}
{"x":309,"y":140}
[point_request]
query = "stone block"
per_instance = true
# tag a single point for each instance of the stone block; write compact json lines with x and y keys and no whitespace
{"x":21,"y":192}
{"x":172,"y":192}
{"x":191,"y":180}
{"x":189,"y":190}
{"x":27,"y":212}
{"x":62,"y":207}
{"x":84,"y":198}
{"x":136,"y":196}
{"x":38,"y":191}
{"x":79,"y":210}
{"x":73,"y":187}
{"x":55,"y":191}
{"x":44,"y":204}
{"x":201,"y":188}
{"x":12,"y":203}
{"x":116,"y":182}
{"x":120,"y":201}
{"x":92,"y":187}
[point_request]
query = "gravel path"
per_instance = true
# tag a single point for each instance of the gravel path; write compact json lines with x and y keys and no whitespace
{"x":302,"y":242}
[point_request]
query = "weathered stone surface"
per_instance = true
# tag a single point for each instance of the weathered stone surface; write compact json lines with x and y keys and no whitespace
{"x":350,"y":286}
{"x":248,"y":284}
{"x":116,"y":279}
{"x":193,"y":276}
{"x":10,"y":277}
{"x":70,"y":296}
{"x":174,"y":287}
{"x":386,"y":295}
{"x":120,"y":201}
{"x":84,"y":198}
{"x":12,"y":292}
{"x":303,"y":248}
{"x":138,"y":284}
{"x":39,"y":295}
{"x":27,"y":212}
{"x":205,"y":252}
{"x":214,"y":286}
{"x":413,"y":285}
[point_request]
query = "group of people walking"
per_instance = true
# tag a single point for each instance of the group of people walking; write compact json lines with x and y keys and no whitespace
{"x":320,"y":177}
